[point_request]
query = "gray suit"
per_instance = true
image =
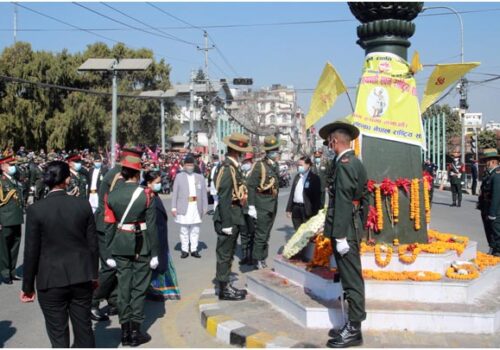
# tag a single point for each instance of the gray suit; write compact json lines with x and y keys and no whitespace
{"x":180,"y":194}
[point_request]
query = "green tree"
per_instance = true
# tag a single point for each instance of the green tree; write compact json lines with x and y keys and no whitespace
{"x":38,"y":117}
{"x":487,"y":139}
{"x":200,"y":77}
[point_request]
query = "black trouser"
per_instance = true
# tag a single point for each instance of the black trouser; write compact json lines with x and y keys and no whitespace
{"x":488,"y":229}
{"x":107,"y":278}
{"x":298,"y":215}
{"x":456,"y":190}
{"x":474,"y":186}
{"x":73,"y":301}
{"x":10,"y":240}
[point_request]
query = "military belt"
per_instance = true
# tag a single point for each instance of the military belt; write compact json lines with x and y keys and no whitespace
{"x":192,"y":199}
{"x":134,"y":227}
{"x":93,"y":191}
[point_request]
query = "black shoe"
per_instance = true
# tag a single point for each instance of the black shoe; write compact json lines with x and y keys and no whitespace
{"x":261,"y":264}
{"x":6,"y":280}
{"x":196,"y":255}
{"x":184,"y":255}
{"x":459,"y":204}
{"x":228,"y":293}
{"x":126,"y":334}
{"x":211,"y":212}
{"x":453,"y":205}
{"x":112,"y":311}
{"x":16,"y":278}
{"x":496,"y":253}
{"x":96,"y":315}
{"x":237,"y":291}
{"x":333,"y":333}
{"x":350,"y":336}
{"x":136,"y":337}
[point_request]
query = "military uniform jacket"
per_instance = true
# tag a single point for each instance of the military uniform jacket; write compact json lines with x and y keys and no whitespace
{"x":112,"y":180}
{"x":456,"y":168}
{"x":11,"y":207}
{"x":263,"y":185}
{"x":490,"y":193}
{"x":321,"y":172}
{"x":78,"y":180}
{"x":232,"y":192}
{"x":347,"y":191}
{"x":122,"y":242}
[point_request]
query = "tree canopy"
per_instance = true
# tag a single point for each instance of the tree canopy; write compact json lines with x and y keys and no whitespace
{"x":39,"y":117}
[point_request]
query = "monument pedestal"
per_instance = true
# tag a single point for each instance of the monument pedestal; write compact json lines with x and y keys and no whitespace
{"x":312,"y":298}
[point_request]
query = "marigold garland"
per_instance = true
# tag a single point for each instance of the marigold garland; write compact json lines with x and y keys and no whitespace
{"x":404,"y":248}
{"x":427,"y":203}
{"x":401,"y":276}
{"x":395,"y":204}
{"x":322,"y":252}
{"x":383,"y":262}
{"x":415,"y":200}
{"x":458,"y":272}
{"x":485,"y":260}
{"x":378,"y":206}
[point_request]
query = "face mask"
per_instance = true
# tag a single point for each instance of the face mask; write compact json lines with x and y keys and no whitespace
{"x":455,"y":159}
{"x":216,"y":163}
{"x":301,"y":169}
{"x":189,"y":170}
{"x":317,"y":160}
{"x":246,"y":167}
{"x":273,"y":155}
{"x":157,"y":187}
{"x":78,"y":166}
{"x":97,"y":165}
{"x":12,"y":170}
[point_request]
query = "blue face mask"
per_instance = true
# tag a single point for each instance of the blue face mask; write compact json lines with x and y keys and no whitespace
{"x":12,"y":170}
{"x":246,"y":167}
{"x":78,"y":166}
{"x":157,"y":187}
{"x":302,"y":169}
{"x":317,"y":160}
{"x":97,"y":165}
{"x":273,"y":155}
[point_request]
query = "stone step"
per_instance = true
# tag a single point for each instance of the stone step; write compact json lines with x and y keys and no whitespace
{"x":309,"y":311}
{"x":444,"y":291}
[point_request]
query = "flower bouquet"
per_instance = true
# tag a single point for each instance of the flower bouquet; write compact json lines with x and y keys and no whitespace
{"x":305,"y":232}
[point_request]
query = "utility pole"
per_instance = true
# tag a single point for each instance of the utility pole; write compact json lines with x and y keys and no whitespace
{"x":162,"y":109}
{"x":191,"y":111}
{"x":15,"y":23}
{"x":207,"y":89}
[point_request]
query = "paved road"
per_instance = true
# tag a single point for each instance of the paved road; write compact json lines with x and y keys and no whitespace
{"x":176,"y":323}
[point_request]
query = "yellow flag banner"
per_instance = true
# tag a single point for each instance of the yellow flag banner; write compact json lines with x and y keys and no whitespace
{"x":329,"y":87}
{"x":387,"y":103}
{"x":443,"y":76}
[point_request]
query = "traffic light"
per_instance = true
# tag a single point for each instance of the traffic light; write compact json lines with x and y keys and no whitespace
{"x":242,"y":81}
{"x":473,"y":144}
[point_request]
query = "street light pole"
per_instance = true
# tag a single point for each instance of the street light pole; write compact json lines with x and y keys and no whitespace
{"x":162,"y":109}
{"x":114,"y":123}
{"x":191,"y":111}
{"x":462,"y":81}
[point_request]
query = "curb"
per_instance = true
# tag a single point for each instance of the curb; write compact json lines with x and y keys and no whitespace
{"x":233,"y":332}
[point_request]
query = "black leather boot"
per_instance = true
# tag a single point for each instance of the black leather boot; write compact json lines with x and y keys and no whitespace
{"x":247,"y":258}
{"x":261,"y":265}
{"x":227,"y":292}
{"x":126,"y":333}
{"x":237,"y":291}
{"x":349,"y":336}
{"x":97,"y":315}
{"x":136,"y":337}
{"x":334,"y":332}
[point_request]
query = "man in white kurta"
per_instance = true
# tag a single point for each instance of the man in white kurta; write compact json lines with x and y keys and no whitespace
{"x":189,"y":203}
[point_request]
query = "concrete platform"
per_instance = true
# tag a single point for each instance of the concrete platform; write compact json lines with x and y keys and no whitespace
{"x":296,"y":303}
{"x":444,"y":291}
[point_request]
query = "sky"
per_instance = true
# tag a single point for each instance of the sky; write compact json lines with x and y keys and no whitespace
{"x":292,"y":54}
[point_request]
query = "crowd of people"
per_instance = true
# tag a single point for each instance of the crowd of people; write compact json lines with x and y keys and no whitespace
{"x":113,"y":222}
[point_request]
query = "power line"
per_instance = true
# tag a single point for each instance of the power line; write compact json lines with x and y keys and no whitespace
{"x":174,"y":17}
{"x":91,"y":31}
{"x":170,"y":37}
{"x":222,"y":55}
{"x":218,"y":67}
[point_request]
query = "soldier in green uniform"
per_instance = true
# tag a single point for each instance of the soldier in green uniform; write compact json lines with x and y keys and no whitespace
{"x":78,"y":184}
{"x":11,"y":219}
{"x":319,"y":168}
{"x":263,"y":188}
{"x":489,"y":200}
{"x":342,"y":225}
{"x":248,"y":232}
{"x":228,"y":217}
{"x":133,"y":242}
{"x":37,"y":180}
{"x":107,"y":275}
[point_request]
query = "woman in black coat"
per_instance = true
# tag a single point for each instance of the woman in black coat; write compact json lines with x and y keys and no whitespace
{"x":60,"y":230}
{"x":164,"y":281}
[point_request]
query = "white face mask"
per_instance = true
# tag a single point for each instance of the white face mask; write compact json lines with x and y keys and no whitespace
{"x":246,"y":167}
